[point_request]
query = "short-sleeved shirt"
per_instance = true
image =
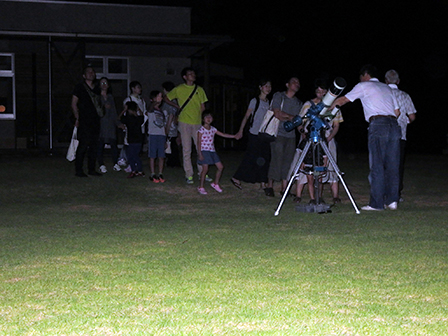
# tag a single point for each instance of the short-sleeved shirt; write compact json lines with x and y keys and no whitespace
{"x":171,"y":110}
{"x":406,"y":107}
{"x":133,"y":124}
{"x":191,"y":114}
{"x":208,"y":137}
{"x":259,"y":114}
{"x":291,"y":106}
{"x":376,"y":98}
{"x":88,"y":117}
{"x":157,"y":122}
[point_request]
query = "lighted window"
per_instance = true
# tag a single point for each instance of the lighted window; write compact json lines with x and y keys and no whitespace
{"x":7,"y":87}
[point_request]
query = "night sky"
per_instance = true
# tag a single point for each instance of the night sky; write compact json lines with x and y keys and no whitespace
{"x":318,"y":38}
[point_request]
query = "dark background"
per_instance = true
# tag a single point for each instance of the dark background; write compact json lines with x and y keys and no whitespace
{"x":322,"y":38}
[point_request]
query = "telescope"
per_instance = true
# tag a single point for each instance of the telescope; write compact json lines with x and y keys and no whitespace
{"x":318,"y":117}
{"x":335,"y":90}
{"x":318,"y":114}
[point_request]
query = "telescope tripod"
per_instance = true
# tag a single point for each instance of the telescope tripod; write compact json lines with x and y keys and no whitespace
{"x":320,"y":208}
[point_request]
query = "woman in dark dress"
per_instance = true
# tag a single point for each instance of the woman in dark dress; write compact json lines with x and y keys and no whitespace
{"x":255,"y":165}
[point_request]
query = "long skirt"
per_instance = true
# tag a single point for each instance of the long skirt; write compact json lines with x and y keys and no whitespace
{"x":255,"y":165}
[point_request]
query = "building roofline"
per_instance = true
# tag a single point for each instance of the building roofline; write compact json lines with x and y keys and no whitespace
{"x":153,"y":38}
{"x":56,"y":2}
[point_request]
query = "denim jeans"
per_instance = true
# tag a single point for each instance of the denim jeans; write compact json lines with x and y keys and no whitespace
{"x":133,"y":154}
{"x":384,"y":161}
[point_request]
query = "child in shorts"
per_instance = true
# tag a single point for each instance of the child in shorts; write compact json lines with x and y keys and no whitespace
{"x":206,"y":151}
{"x":156,"y":136}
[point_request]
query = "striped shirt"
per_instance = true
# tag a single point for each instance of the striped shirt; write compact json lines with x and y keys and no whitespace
{"x":406,"y":107}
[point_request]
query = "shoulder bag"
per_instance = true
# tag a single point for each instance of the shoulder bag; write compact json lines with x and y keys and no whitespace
{"x":96,"y":101}
{"x":269,"y":127}
{"x":188,"y":99}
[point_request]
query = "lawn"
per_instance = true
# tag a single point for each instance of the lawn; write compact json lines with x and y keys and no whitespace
{"x":117,"y":256}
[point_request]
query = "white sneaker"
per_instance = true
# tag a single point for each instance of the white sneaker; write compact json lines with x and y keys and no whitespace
{"x":117,"y":167}
{"x":369,"y":208}
{"x":128,"y":169}
{"x":393,"y":206}
{"x":122,"y":162}
{"x":103,"y":169}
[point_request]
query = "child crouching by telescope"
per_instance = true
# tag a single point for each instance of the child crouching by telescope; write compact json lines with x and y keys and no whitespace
{"x":206,"y":151}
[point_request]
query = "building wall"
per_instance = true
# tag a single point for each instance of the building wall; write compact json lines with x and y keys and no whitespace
{"x":152,"y":71}
{"x":91,"y":18}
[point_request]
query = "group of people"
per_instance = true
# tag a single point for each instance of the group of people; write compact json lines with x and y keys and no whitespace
{"x":266,"y":162}
{"x":176,"y":110}
{"x":181,"y":110}
{"x":388,"y":111}
{"x":97,"y":121}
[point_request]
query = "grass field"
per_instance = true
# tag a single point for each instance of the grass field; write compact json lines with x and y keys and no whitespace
{"x":118,"y":256}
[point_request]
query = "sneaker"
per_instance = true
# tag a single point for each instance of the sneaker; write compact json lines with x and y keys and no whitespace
{"x":153,"y":178}
{"x":393,"y":206}
{"x":132,"y":175}
{"x":216,"y":187}
{"x":140,"y":174}
{"x":116,"y":167}
{"x":369,"y":208}
{"x":122,"y":162}
{"x":128,"y":169}
{"x":161,"y":179}
{"x":103,"y":169}
{"x":189,"y":180}
{"x":208,"y":178}
{"x":202,"y":191}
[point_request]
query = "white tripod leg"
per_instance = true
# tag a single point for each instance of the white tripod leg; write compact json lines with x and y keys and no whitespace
{"x":294,"y":174}
{"x":338,"y":173}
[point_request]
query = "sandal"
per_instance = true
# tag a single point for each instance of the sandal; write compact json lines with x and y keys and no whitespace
{"x":297,"y":199}
{"x":336,"y":200}
{"x":236,"y":184}
{"x":269,"y":192}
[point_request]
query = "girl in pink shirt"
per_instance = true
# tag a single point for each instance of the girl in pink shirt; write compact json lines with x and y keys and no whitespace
{"x":206,"y":151}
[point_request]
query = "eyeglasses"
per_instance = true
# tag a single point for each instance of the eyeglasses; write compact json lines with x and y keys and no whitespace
{"x":103,"y":83}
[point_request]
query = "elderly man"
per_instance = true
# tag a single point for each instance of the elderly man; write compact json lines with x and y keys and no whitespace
{"x":407,"y":116}
{"x":380,"y":111}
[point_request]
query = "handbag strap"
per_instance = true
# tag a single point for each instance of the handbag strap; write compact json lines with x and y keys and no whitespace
{"x":281,"y":105}
{"x":95,"y":102}
{"x":188,"y":99}
{"x":252,"y":116}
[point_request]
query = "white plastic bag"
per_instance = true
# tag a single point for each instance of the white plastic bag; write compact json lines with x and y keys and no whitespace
{"x":71,"y":153}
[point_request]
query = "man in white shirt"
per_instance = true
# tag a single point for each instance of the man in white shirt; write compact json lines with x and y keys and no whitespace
{"x":380,"y":111}
{"x":407,"y":116}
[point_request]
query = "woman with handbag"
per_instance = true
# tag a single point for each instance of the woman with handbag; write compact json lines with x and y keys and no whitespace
{"x":255,"y":164}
